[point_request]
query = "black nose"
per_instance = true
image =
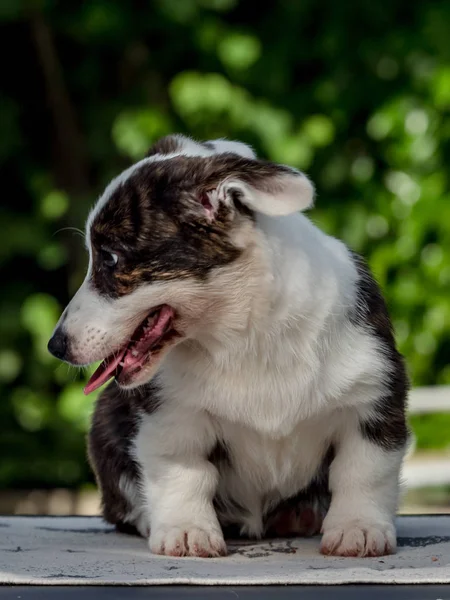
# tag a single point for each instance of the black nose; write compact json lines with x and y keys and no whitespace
{"x":58,"y":344}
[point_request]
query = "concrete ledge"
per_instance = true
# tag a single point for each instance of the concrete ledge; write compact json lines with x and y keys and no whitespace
{"x":430,"y":399}
{"x":84,"y":551}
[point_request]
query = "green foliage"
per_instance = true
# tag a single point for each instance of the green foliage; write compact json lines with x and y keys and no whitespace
{"x":427,"y":428}
{"x":355,"y":93}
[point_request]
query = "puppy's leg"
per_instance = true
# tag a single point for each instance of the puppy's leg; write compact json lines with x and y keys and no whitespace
{"x":364,"y":482}
{"x":172,"y":449}
{"x":114,"y":425}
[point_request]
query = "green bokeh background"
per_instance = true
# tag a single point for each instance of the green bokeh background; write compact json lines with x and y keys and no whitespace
{"x":356,"y":93}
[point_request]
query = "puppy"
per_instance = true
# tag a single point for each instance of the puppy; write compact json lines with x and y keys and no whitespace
{"x":257,"y":387}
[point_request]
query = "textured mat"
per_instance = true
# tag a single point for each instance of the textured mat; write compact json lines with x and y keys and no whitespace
{"x":85,"y":551}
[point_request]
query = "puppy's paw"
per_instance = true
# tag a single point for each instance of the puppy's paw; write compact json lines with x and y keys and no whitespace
{"x":356,"y":538}
{"x":187,"y":541}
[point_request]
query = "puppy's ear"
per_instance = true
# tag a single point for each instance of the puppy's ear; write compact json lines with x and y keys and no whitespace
{"x":262,"y":186}
{"x":169,"y":144}
{"x":182,"y":145}
{"x":223,"y":146}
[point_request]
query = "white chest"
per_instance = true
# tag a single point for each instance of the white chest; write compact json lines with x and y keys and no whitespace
{"x":283,"y":465}
{"x":259,"y":395}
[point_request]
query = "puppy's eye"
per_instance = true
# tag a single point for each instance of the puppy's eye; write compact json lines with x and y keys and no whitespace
{"x":109,"y":259}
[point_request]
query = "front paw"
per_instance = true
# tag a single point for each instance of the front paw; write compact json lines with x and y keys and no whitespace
{"x":187,"y":541}
{"x":357,"y":538}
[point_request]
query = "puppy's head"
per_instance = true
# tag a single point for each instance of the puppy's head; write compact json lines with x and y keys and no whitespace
{"x":167,"y":242}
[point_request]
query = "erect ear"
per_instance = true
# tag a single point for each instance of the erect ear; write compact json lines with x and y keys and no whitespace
{"x":265,"y":187}
{"x":177,"y":144}
{"x":166,"y":145}
{"x":224,"y":146}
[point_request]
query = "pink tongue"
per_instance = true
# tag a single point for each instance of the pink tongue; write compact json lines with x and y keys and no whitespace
{"x":104,"y":372}
{"x":143,"y":346}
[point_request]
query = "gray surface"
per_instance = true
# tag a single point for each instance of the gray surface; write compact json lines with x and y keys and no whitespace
{"x":83,"y":550}
{"x":332,"y":592}
{"x":342,"y":592}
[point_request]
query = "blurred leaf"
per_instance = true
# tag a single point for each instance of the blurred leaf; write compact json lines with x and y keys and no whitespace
{"x":134,"y":132}
{"x":75,"y":407}
{"x":319,"y":129}
{"x":441,"y":87}
{"x":10,"y":365}
{"x":54,"y":204}
{"x":239,"y":51}
{"x":40,"y":312}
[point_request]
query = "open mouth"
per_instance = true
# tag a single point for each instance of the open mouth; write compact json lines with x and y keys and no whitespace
{"x":140,"y":351}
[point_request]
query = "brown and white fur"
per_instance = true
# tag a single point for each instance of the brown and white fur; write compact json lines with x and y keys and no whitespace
{"x":279,"y":406}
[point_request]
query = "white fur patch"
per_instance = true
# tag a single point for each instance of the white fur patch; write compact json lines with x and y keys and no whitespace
{"x":138,"y":516}
{"x":222,"y":145}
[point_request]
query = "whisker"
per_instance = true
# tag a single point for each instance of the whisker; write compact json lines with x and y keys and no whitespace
{"x":73,"y":229}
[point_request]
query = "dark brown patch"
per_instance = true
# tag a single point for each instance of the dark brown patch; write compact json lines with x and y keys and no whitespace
{"x":156,"y":224}
{"x":219,"y":455}
{"x":113,"y":428}
{"x":166,"y":145}
{"x":389,"y":427}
